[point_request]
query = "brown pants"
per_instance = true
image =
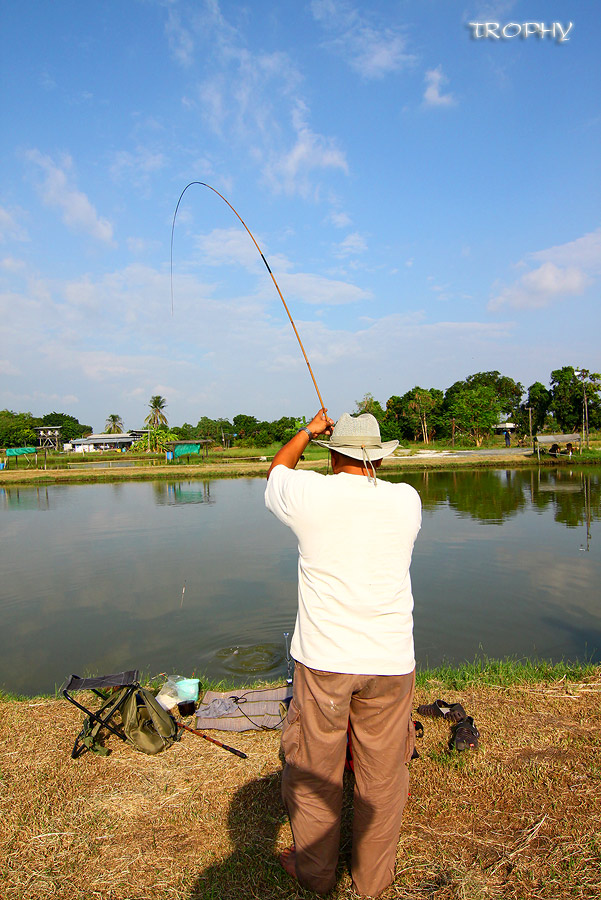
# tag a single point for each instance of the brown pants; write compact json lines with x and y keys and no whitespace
{"x":314,"y":744}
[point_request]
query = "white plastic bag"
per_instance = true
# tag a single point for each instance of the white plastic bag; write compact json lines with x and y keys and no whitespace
{"x":177,"y":689}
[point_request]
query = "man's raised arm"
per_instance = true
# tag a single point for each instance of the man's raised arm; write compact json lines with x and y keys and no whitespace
{"x":291,"y":452}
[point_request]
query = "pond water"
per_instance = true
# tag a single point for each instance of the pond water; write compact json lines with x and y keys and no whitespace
{"x":197,"y":576}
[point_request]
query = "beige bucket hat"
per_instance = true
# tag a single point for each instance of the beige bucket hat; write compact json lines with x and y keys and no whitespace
{"x":359,"y":438}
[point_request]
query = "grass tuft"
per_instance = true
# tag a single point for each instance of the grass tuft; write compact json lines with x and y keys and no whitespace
{"x":503,"y":673}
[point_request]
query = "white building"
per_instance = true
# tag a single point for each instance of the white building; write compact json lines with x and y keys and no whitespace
{"x":96,"y":442}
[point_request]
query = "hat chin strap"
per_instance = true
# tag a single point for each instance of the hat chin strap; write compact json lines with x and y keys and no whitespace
{"x":367,"y":464}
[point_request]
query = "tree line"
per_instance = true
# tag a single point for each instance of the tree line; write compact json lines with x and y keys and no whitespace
{"x":468,"y":410}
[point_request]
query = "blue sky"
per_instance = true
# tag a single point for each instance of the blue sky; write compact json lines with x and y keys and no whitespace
{"x":428,"y":201}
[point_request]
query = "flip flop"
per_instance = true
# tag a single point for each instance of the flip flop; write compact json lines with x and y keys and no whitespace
{"x":464,"y":735}
{"x":440,"y":709}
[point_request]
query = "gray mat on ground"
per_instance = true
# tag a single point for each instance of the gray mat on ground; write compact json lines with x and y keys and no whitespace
{"x":244,"y":710}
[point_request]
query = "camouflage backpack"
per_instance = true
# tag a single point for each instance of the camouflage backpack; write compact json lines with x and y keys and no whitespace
{"x":146,"y":725}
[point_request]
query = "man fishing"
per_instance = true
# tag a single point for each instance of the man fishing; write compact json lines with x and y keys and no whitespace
{"x":353,"y":647}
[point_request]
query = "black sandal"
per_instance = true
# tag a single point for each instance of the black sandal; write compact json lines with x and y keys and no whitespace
{"x":440,"y":709}
{"x":464,"y":735}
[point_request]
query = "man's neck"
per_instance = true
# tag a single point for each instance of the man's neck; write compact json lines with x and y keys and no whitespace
{"x":359,"y":469}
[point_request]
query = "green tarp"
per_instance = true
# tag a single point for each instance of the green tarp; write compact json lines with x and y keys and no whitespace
{"x":185,"y":449}
{"x":20,"y":451}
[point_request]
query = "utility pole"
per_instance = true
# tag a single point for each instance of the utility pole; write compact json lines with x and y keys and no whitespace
{"x":529,"y":408}
{"x":583,"y":374}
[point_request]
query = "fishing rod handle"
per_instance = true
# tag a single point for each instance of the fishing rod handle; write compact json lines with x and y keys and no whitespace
{"x":235,"y":752}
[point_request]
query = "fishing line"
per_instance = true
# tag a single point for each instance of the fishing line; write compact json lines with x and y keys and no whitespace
{"x":277,"y":287}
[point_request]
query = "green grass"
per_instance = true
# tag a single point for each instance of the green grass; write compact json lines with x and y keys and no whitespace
{"x":483,"y":671}
{"x":502,"y":672}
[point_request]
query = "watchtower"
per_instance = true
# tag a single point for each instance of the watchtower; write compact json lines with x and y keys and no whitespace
{"x":49,"y":436}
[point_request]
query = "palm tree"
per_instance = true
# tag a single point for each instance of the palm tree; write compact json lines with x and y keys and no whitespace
{"x":156,"y":416}
{"x":114,"y":424}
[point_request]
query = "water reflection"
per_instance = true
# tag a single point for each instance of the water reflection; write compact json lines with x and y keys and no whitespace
{"x":24,"y":498}
{"x":494,"y":496}
{"x":172,"y":493}
{"x":197,"y":576}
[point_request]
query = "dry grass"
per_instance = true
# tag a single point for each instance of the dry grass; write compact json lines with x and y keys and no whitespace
{"x":518,"y":819}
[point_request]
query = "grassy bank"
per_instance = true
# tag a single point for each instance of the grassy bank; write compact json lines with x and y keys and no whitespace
{"x":255,"y":467}
{"x":518,"y":819}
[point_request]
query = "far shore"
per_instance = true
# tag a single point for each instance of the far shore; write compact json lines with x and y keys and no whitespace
{"x":257,"y":467}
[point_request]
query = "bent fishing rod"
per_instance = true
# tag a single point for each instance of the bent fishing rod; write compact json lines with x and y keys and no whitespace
{"x":277,"y":287}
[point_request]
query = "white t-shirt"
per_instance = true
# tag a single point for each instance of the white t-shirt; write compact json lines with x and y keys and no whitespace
{"x":355,"y":539}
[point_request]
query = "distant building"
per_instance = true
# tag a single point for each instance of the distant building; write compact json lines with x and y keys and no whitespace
{"x":96,"y":442}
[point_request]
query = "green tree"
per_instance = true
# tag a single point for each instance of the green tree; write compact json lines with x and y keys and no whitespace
{"x":370,"y":405}
{"x":284,"y":428}
{"x":417,"y":414}
{"x":475,"y":409}
{"x":185,"y":432}
{"x":535,"y":409}
{"x":114,"y":424}
{"x":156,"y":417}
{"x":155,"y":440}
{"x":567,"y":397}
{"x":71,"y":428}
{"x":509,"y":392}
{"x":17,"y":429}
{"x":591,"y":404}
{"x":245,"y":426}
{"x":419,"y":408}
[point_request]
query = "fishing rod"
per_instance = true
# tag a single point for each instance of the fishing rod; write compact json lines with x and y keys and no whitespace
{"x":277,"y":287}
{"x":213,"y":740}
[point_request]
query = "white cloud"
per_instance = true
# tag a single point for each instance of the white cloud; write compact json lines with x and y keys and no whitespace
{"x":137,"y":165}
{"x":352,"y":245}
{"x":138,"y":246}
{"x":290,"y":172}
{"x":10,"y":229}
{"x":78,"y":213}
{"x":244,"y":93}
{"x":340,"y":219}
{"x":319,"y":291}
{"x":181,"y":43}
{"x":584,"y":252}
{"x":372,"y":50}
{"x":566,"y":270}
{"x":10,"y":264}
{"x":253,"y":101}
{"x":435,"y":79}
{"x":7,"y":368}
{"x":231,"y":246}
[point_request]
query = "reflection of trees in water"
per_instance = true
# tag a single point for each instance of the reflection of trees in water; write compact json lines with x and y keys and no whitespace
{"x":494,"y":495}
{"x":171,"y":493}
{"x":490,"y":495}
{"x":27,"y":498}
{"x":574,"y":496}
